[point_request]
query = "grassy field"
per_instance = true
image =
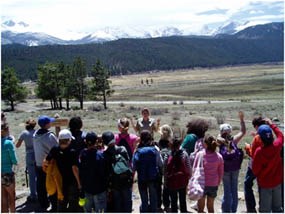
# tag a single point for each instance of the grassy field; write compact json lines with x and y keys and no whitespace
{"x":258,"y":88}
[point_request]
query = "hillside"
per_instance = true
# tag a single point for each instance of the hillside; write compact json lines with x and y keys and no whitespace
{"x":139,"y":55}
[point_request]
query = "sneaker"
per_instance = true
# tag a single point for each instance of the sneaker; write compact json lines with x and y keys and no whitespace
{"x":31,"y":199}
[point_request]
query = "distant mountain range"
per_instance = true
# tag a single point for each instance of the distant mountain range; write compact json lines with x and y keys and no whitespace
{"x":256,"y":44}
{"x":19,"y":33}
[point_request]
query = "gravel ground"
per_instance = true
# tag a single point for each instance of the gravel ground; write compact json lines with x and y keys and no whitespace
{"x":23,"y":207}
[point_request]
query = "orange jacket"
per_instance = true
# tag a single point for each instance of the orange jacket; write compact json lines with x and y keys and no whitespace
{"x":256,"y":142}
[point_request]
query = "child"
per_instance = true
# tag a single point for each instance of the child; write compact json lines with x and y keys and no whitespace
{"x":93,"y":175}
{"x":8,"y":159}
{"x":214,"y":170}
{"x":146,"y":162}
{"x":27,"y":137}
{"x":268,"y":169}
{"x":67,"y":163}
{"x":177,"y":174}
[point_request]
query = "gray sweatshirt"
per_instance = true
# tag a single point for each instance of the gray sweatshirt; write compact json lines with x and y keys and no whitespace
{"x":44,"y":140}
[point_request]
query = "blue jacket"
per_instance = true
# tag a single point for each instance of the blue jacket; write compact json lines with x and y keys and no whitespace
{"x":148,"y":162}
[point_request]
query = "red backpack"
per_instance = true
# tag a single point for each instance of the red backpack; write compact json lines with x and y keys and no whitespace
{"x":176,"y":175}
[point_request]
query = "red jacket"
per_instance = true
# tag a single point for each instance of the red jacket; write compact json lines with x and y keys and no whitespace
{"x":267,"y":163}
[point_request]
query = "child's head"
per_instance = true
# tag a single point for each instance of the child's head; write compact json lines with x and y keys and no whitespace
{"x":265,"y":133}
{"x":4,"y":129}
{"x":123,"y":125}
{"x":75,"y":124}
{"x":197,"y":126}
{"x":91,"y":139}
{"x":145,"y":138}
{"x":175,"y":144}
{"x":64,"y":138}
{"x":30,"y":124}
{"x":45,"y":121}
{"x":210,"y":142}
{"x":257,"y":121}
{"x":165,"y":132}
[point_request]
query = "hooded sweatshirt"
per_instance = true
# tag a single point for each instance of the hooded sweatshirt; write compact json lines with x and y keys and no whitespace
{"x":267,"y":163}
{"x":44,"y":140}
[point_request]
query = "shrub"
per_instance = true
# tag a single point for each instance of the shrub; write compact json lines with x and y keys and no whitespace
{"x":174,"y":102}
{"x":181,"y":102}
{"x":220,"y":118}
{"x":176,"y":116}
{"x":122,"y":104}
{"x":95,"y":107}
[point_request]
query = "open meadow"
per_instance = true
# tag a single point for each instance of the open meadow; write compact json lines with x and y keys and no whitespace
{"x":254,"y":89}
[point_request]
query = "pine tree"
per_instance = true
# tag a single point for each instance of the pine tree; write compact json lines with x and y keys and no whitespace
{"x":79,"y":74}
{"x":101,"y":83}
{"x":11,"y":90}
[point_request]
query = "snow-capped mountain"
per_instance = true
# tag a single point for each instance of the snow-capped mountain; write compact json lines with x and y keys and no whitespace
{"x":19,"y":32}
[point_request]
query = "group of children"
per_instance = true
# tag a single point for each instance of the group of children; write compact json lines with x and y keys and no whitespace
{"x":75,"y":171}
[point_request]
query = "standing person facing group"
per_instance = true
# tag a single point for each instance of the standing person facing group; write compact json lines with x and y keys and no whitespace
{"x":146,"y":123}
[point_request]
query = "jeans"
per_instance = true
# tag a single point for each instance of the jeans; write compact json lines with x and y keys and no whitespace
{"x":123,"y":200}
{"x":42,"y":192}
{"x":182,"y":200}
{"x":270,"y":200}
{"x":230,"y":198}
{"x":98,"y":202}
{"x":31,"y":166}
{"x":71,"y":198}
{"x":248,"y":192}
{"x":166,"y":197}
{"x":148,"y":196}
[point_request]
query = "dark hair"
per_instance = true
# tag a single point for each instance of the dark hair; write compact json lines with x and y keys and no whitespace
{"x":211,"y":142}
{"x":145,"y":138}
{"x":197,"y":126}
{"x":176,"y":143}
{"x":258,"y":121}
{"x":75,"y":124}
{"x":4,"y":126}
{"x":30,"y":124}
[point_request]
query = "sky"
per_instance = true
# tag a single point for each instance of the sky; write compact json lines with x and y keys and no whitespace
{"x":81,"y":16}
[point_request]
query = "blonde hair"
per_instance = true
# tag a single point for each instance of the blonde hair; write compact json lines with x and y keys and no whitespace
{"x":124,"y":124}
{"x":166,"y":132}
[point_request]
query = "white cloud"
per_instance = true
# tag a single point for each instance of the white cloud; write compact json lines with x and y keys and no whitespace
{"x":73,"y":16}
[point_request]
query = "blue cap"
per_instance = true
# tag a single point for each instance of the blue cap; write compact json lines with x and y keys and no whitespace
{"x":43,"y":120}
{"x":265,"y":133}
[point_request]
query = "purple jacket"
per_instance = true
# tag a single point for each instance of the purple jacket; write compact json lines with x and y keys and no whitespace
{"x":233,"y":159}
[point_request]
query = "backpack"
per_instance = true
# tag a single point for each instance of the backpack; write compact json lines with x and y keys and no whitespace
{"x":123,"y":142}
{"x":176,"y":175}
{"x":122,"y":173}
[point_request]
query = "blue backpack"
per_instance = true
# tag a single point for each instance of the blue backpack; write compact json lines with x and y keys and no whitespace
{"x":147,"y":168}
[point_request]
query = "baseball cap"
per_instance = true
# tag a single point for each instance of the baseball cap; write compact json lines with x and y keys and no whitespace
{"x":108,"y":138}
{"x":225,"y":128}
{"x":91,"y":138}
{"x":265,"y":133}
{"x":43,"y":120}
{"x":65,"y":134}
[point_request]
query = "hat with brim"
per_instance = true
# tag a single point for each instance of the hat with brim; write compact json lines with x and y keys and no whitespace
{"x":44,"y":120}
{"x":65,"y":134}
